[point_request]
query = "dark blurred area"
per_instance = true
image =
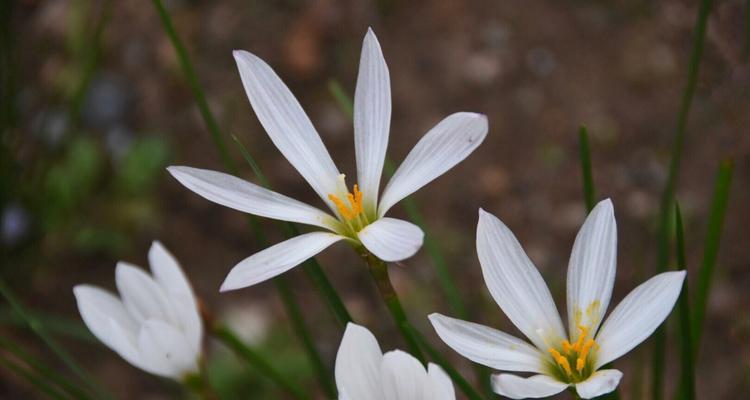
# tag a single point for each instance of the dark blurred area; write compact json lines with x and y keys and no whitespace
{"x":95,"y":106}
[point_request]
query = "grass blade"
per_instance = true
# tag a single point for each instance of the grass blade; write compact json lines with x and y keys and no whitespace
{"x":589,"y":195}
{"x":699,"y":37}
{"x":710,"y":250}
{"x":231,"y":340}
{"x":38,"y":329}
{"x":32,"y":378}
{"x":686,"y":390}
{"x":42,"y":371}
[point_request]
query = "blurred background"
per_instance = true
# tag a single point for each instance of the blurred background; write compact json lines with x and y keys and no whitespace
{"x":95,"y":106}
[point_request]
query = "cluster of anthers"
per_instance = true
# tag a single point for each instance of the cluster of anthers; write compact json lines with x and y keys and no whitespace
{"x":352,"y":215}
{"x":575,"y":354}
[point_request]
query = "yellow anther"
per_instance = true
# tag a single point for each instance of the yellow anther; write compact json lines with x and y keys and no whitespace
{"x":567,"y":347}
{"x":583,"y":354}
{"x":561,"y":360}
{"x":355,"y":204}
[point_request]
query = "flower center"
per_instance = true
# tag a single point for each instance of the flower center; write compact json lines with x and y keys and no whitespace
{"x":350,"y":209}
{"x":573,"y":361}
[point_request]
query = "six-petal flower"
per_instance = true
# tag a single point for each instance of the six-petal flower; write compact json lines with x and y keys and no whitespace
{"x":358,"y":216}
{"x":155,"y":324}
{"x":559,"y":359}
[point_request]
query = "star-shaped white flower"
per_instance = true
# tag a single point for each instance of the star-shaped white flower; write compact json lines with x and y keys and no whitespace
{"x":358,"y":216}
{"x":363,"y":372}
{"x":155,"y":324}
{"x":559,"y":360}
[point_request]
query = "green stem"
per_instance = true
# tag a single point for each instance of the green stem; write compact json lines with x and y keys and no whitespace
{"x":686,"y":389}
{"x":379,"y":272}
{"x":226,"y":336}
{"x":414,"y":340}
{"x":187,"y":68}
{"x":200,"y":384}
{"x":699,"y":36}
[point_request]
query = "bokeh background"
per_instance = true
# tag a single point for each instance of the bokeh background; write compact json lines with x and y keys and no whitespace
{"x":95,"y":106}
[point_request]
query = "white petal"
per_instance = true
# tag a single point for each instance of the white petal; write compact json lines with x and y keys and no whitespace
{"x":638,"y":316}
{"x":165,"y":348}
{"x":404,"y":377}
{"x":287,"y":124}
{"x":599,"y":383}
{"x":372,"y":119}
{"x":170,"y":277}
{"x":516,"y":284}
{"x":444,"y":146}
{"x":358,"y":365}
{"x":391,"y":239}
{"x":533,"y":387}
{"x":591,"y":271}
{"x":143,"y":297}
{"x":244,"y":196}
{"x":104,"y":313}
{"x":440,"y":384}
{"x":487,"y":346}
{"x":277,"y":259}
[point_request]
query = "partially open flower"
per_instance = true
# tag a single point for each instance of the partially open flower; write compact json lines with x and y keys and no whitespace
{"x":357,"y":214}
{"x":154,"y":324}
{"x":558,"y":359}
{"x":363,"y":372}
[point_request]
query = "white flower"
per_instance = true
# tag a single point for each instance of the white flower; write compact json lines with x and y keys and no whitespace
{"x":557,"y":359}
{"x":357,"y":215}
{"x":363,"y":372}
{"x":155,"y":324}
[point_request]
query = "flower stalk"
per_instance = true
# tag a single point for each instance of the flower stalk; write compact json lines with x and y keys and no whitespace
{"x":379,"y":272}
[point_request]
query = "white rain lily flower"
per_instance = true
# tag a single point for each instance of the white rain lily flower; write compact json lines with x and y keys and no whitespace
{"x":363,"y":372}
{"x":358,"y":216}
{"x":558,"y":359}
{"x":154,"y":324}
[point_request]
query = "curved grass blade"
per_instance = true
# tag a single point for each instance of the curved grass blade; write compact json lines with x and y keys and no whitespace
{"x":699,"y":37}
{"x":686,"y":389}
{"x":710,"y":250}
{"x":42,"y":371}
{"x":38,"y":329}
{"x":33,"y":379}
{"x":231,"y":340}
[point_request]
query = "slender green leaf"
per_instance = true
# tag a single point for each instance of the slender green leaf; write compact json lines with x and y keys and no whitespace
{"x":43,"y":371}
{"x":699,"y":36}
{"x":33,"y":379}
{"x":254,"y":358}
{"x":686,"y":389}
{"x":710,"y":250}
{"x":38,"y":329}
{"x":589,"y":195}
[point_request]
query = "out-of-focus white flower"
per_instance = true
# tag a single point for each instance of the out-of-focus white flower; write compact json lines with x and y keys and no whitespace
{"x":363,"y":372}
{"x":558,"y":359}
{"x":154,"y":324}
{"x":358,"y":216}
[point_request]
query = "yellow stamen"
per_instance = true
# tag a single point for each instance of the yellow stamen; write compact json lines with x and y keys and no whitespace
{"x":561,"y":360}
{"x":583,"y":354}
{"x":567,"y":347}
{"x":355,"y":204}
